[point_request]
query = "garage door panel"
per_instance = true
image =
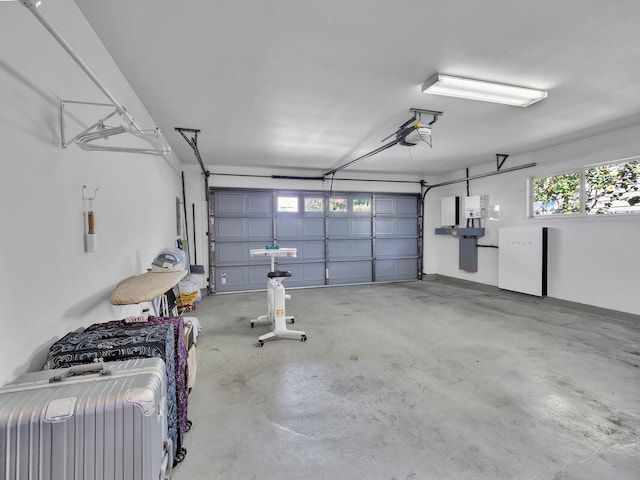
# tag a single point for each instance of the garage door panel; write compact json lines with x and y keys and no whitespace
{"x":229,"y":228}
{"x":260,"y":204}
{"x":243,"y":203}
{"x":259,"y":227}
{"x":305,"y":274}
{"x":244,"y":277}
{"x":384,"y":205}
{"x":338,"y":227}
{"x":229,"y":203}
{"x":308,"y":251}
{"x":397,"y":227}
{"x":344,"y":249}
{"x":396,"y":205}
{"x":384,"y":226}
{"x":349,"y":226}
{"x":349,"y":272}
{"x":399,"y":269}
{"x":396,"y":247}
{"x":234,"y":253}
{"x":240,"y":228}
{"x":406,"y":206}
{"x":229,"y":279}
{"x":406,"y":226}
{"x":299,"y":227}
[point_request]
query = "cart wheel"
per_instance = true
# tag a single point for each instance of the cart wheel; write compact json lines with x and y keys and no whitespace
{"x":260,"y":343}
{"x":303,"y":338}
{"x":188,"y":426}
{"x":293,"y":320}
{"x":252,"y":325}
{"x":180,"y":455}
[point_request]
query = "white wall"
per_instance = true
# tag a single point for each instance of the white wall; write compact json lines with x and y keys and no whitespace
{"x":594,"y":261}
{"x":49,"y":285}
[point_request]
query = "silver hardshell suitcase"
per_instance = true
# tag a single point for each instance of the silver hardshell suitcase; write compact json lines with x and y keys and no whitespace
{"x":101,"y":421}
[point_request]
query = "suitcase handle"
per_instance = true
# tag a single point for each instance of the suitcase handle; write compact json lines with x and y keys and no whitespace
{"x":166,"y":468}
{"x":81,"y":370}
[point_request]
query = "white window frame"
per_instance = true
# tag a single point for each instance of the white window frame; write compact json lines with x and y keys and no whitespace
{"x":583,"y":193}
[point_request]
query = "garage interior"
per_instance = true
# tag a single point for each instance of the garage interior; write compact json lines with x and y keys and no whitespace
{"x":501,"y":342}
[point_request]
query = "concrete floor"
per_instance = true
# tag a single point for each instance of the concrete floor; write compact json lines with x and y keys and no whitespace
{"x":420,"y":380}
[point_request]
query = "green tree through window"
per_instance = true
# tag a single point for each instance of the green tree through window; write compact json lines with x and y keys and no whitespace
{"x":556,"y":195}
{"x":613,"y":188}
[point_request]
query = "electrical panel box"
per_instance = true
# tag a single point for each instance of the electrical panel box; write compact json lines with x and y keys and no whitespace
{"x":450,"y":211}
{"x":475,"y":206}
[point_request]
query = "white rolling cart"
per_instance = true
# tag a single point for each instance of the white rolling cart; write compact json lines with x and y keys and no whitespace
{"x":276,"y":298}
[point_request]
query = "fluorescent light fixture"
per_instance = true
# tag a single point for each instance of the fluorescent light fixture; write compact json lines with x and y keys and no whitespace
{"x":474,"y":89}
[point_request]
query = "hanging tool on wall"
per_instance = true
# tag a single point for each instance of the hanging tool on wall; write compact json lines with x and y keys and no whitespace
{"x":195,"y":268}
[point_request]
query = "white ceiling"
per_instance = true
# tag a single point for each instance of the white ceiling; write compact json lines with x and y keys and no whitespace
{"x":297,"y":84}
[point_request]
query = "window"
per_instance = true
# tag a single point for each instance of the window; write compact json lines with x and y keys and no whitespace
{"x":338,"y":204}
{"x":361,"y":205}
{"x":613,"y":188}
{"x":557,"y":195}
{"x":313,"y":204}
{"x":287,"y":204}
{"x":598,"y":190}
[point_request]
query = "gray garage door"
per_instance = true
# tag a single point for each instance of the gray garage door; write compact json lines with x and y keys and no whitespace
{"x":341,"y":238}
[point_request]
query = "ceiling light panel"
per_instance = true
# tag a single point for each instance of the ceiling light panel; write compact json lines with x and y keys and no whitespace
{"x":474,"y":89}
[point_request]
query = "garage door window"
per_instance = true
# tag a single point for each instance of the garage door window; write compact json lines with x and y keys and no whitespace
{"x":361,"y":205}
{"x":287,"y":204}
{"x":338,"y":204}
{"x":313,"y":204}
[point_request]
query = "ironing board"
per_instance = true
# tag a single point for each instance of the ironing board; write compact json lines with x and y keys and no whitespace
{"x":146,"y":287}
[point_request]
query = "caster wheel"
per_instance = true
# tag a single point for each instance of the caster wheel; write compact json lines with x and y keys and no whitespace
{"x":188,"y":425}
{"x":293,"y":320}
{"x":303,"y":338}
{"x":180,"y":456}
{"x":260,"y":343}
{"x":252,"y":325}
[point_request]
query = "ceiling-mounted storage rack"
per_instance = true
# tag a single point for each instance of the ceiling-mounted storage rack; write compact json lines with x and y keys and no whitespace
{"x":86,"y":139}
